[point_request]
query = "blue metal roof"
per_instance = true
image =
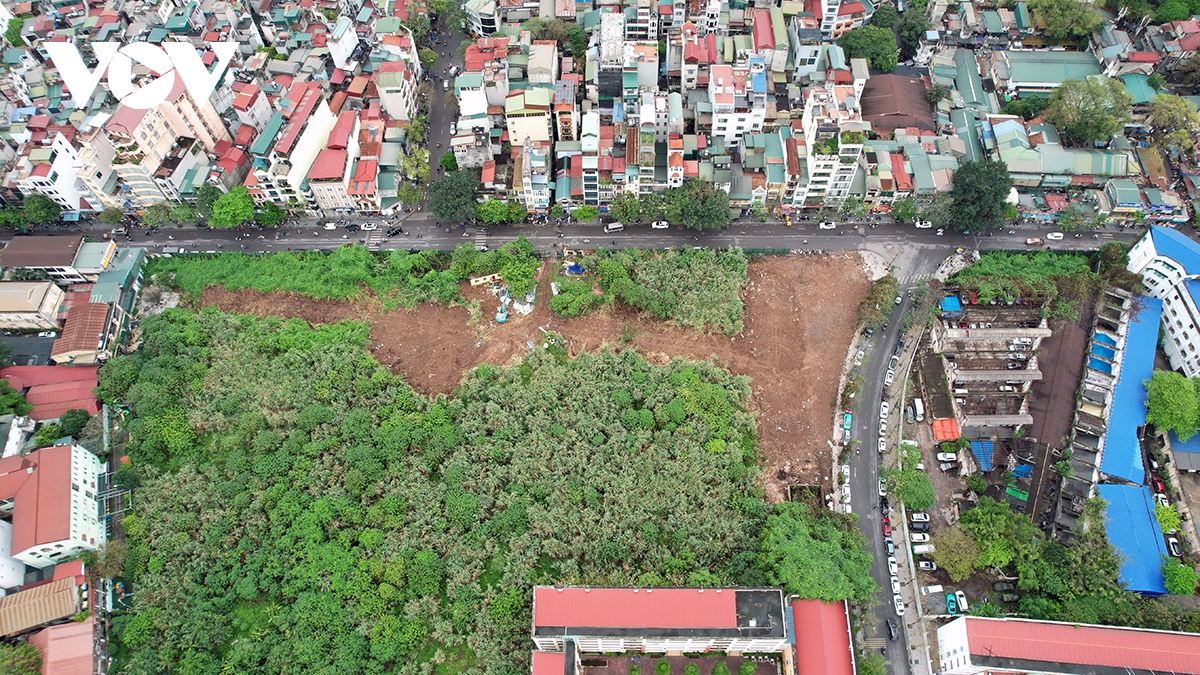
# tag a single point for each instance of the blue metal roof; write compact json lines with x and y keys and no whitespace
{"x":1134,"y":531}
{"x":1193,"y":288}
{"x":951,"y":304}
{"x":983,"y":453}
{"x":1177,"y":247}
{"x":1122,"y":456}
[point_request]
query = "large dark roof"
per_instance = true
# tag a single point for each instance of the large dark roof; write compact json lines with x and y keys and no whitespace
{"x":44,"y":251}
{"x":891,"y":102}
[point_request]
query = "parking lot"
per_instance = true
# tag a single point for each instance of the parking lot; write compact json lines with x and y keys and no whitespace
{"x":29,"y":350}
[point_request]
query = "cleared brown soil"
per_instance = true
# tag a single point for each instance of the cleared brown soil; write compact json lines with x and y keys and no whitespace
{"x":800,"y":314}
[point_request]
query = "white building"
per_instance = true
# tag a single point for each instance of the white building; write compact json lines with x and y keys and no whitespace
{"x":53,"y":170}
{"x":252,"y":107}
{"x":1169,"y":263}
{"x":342,"y":42}
{"x":50,"y":497}
{"x":739,"y":99}
{"x":833,"y":138}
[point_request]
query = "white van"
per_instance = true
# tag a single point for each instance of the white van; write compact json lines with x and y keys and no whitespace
{"x":930,"y":590}
{"x":922,"y":549}
{"x":613,"y":227}
{"x":919,"y":409}
{"x":1054,"y":236}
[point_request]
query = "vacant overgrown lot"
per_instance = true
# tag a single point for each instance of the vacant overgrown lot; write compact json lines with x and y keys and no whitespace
{"x":301,"y":509}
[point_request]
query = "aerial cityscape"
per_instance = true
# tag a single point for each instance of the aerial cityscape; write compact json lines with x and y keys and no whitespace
{"x":600,"y":337}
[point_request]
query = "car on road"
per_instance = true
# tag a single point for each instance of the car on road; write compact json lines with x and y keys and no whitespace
{"x":453,"y":71}
{"x":882,"y":445}
{"x":889,"y":378}
{"x":962,"y":601}
{"x":923,"y":224}
{"x":893,"y":568}
{"x":894,"y":362}
{"x":845,"y":472}
{"x":370,"y":226}
{"x":827,"y":225}
{"x":895,"y":584}
{"x":395,"y":230}
{"x":883,"y":504}
{"x":919,"y":527}
{"x":947,"y":456}
{"x":919,"y":538}
{"x":1157,"y":484}
{"x":1161,"y":500}
{"x":47,"y":334}
{"x":889,"y":546}
{"x":1173,"y":547}
{"x":445,"y":85}
{"x":453,"y":128}
{"x":884,"y":409}
{"x":887,"y":528}
{"x":847,"y":420}
{"x":883,"y":427}
{"x":1054,"y":236}
{"x":659,"y":225}
{"x":951,"y":604}
{"x":899,"y":299}
{"x":845,"y":493}
{"x":1033,"y":241}
{"x":882,"y":488}
{"x":330,"y":226}
{"x":927,"y":566}
{"x":918,"y":517}
{"x":898,"y":603}
{"x":1002,"y":586}
{"x":893,"y":629}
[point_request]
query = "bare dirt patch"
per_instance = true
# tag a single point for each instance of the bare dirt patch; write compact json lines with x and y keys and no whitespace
{"x":800,"y":317}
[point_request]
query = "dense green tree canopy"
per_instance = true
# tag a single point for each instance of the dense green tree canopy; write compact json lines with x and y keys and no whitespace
{"x":698,"y":205}
{"x":816,"y":555}
{"x":1171,"y":403}
{"x":111,"y":216}
{"x":875,"y":44}
{"x":234,"y":208}
{"x":269,"y":215}
{"x":1091,"y":109}
{"x":452,"y":196}
{"x":206,"y":197}
{"x":980,"y":191}
{"x":41,"y":209}
{"x":294,"y":490}
{"x":1067,"y":18}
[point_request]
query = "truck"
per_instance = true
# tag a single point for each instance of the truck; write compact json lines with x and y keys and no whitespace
{"x":1033,"y":241}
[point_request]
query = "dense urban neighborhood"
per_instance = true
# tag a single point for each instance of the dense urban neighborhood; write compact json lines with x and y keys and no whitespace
{"x":590,"y":337}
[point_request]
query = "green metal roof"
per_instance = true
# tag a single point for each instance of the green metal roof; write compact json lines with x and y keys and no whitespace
{"x":158,"y":35}
{"x":1051,"y":67}
{"x":1138,"y":87}
{"x":120,"y":275}
{"x":388,"y":24}
{"x":364,"y":15}
{"x":262,"y":144}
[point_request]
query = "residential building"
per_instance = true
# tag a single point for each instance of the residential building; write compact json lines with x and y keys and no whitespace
{"x":252,"y":107}
{"x":738,"y":97}
{"x":343,"y":44}
{"x":327,"y":182}
{"x":531,"y":184}
{"x":53,"y":170}
{"x":1169,"y":263}
{"x":57,"y":602}
{"x":1040,"y":71}
{"x":286,"y":150}
{"x":55,"y":256}
{"x":66,"y":649}
{"x":487,"y":58}
{"x":658,"y":620}
{"x":528,"y":116}
{"x":53,"y":390}
{"x":543,"y":63}
{"x":29,"y":305}
{"x":833,"y":140}
{"x":971,"y":645}
{"x":566,"y":111}
{"x":397,"y":83}
{"x":482,"y":18}
{"x":49,"y":496}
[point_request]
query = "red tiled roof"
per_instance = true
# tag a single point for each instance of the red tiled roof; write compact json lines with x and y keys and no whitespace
{"x":1064,"y":643}
{"x":339,"y":138}
{"x":1144,"y":57}
{"x":548,"y":663}
{"x":66,"y":649}
{"x":329,"y":165}
{"x":764,"y":36}
{"x":903,"y":181}
{"x":1056,"y":202}
{"x":851,"y":8}
{"x":41,"y":497}
{"x":305,"y":96}
{"x":822,"y":638}
{"x":53,"y":390}
{"x":85,"y":322}
{"x":634,"y":608}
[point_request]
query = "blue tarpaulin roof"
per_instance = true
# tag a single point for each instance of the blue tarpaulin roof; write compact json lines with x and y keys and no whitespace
{"x":574,"y":269}
{"x":1023,"y":470}
{"x":1101,"y":337}
{"x":1122,"y":456}
{"x":951,"y":304}
{"x":1096,"y":364}
{"x":1134,"y":531}
{"x":983,"y":453}
{"x":1104,"y":352}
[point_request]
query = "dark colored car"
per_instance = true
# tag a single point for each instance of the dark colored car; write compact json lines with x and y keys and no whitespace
{"x":394,"y":230}
{"x":919,"y":527}
{"x":883,"y":504}
{"x":890,"y":546}
{"x":893,"y":629}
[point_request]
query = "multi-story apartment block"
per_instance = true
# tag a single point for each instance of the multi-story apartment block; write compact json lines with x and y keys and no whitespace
{"x":566,"y":111}
{"x":738,"y":97}
{"x":251,"y":105}
{"x":527,"y":114}
{"x":833,"y":139}
{"x":29,"y":305}
{"x":343,"y":44}
{"x":641,"y":20}
{"x":489,"y":59}
{"x":397,"y":85}
{"x":51,"y":168}
{"x":287,"y":148}
{"x":531,"y":184}
{"x":50,"y":497}
{"x":1169,"y":263}
{"x":482,"y":17}
{"x":543,"y":63}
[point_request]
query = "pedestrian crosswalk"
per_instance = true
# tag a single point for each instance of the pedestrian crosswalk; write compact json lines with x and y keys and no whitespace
{"x":375,"y":240}
{"x":481,"y":240}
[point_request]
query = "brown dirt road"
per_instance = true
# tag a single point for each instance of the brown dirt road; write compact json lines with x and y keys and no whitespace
{"x":800,"y":317}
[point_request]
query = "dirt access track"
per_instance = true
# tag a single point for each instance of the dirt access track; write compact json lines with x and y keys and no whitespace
{"x":800,"y":317}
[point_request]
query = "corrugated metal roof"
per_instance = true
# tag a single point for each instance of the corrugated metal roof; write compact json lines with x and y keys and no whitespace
{"x":29,"y":609}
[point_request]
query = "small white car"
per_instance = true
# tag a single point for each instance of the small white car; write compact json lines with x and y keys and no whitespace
{"x":827,"y":225}
{"x":891,"y":375}
{"x":896,"y":584}
{"x":918,"y":517}
{"x":919,"y":538}
{"x":48,"y":334}
{"x":899,"y":299}
{"x":882,"y":488}
{"x":898,"y":602}
{"x":926,"y":566}
{"x":962,"y":601}
{"x":659,"y":225}
{"x":1054,"y":236}
{"x":893,"y":568}
{"x":1161,"y":500}
{"x":845,"y":493}
{"x":884,"y":409}
{"x":947,"y":456}
{"x":453,"y":128}
{"x":882,"y":445}
{"x":923,"y":224}
{"x":370,"y":226}
{"x":883,"y":428}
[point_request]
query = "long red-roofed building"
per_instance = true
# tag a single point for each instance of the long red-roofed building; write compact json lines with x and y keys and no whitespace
{"x":971,"y":645}
{"x":50,"y":495}
{"x":824,"y":645}
{"x":659,"y":619}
